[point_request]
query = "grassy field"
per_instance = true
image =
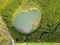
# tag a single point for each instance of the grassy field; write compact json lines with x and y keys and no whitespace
{"x":37,"y":44}
{"x":49,"y":30}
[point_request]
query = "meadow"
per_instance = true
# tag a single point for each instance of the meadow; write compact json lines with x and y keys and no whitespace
{"x":49,"y":30}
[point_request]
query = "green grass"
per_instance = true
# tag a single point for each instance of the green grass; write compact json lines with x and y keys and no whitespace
{"x":37,"y":44}
{"x":50,"y":20}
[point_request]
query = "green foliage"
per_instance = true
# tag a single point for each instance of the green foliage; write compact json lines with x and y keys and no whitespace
{"x":49,"y":20}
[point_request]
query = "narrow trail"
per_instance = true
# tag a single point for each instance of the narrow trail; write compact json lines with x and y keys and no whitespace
{"x":45,"y":32}
{"x":4,"y":32}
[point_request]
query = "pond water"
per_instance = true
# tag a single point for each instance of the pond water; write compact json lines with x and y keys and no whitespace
{"x":24,"y":20}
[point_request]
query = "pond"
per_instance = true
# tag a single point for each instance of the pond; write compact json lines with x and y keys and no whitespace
{"x":25,"y":21}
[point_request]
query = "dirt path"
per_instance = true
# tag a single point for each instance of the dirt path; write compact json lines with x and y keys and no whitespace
{"x":5,"y":33}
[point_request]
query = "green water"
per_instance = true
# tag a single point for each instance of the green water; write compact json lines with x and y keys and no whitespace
{"x":24,"y":21}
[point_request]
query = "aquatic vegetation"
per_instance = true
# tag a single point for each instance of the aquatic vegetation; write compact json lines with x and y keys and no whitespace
{"x":26,"y":21}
